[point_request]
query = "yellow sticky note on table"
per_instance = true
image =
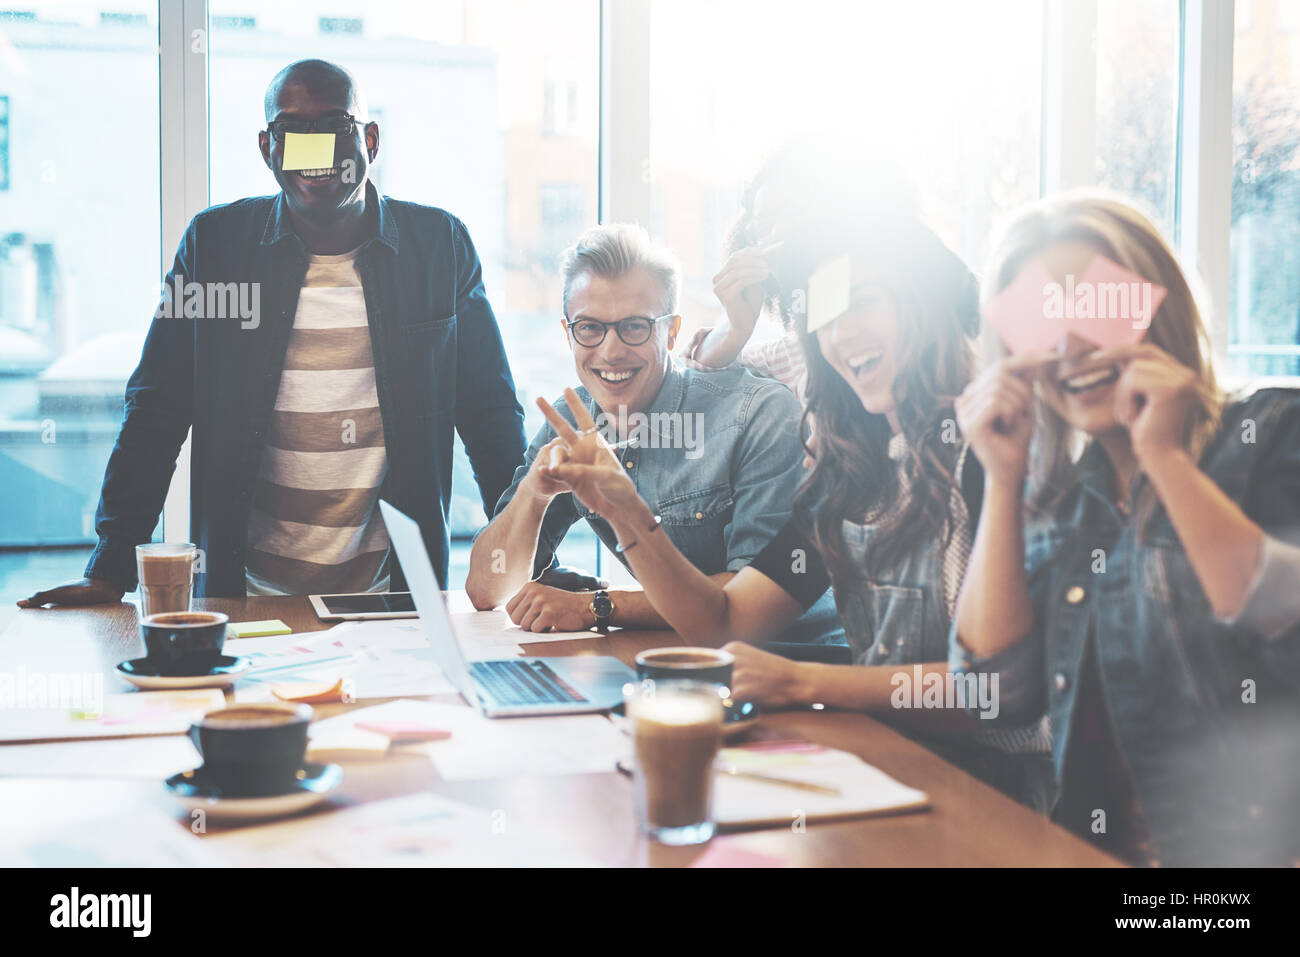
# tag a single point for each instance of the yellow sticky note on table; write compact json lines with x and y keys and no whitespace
{"x":308,"y":151}
{"x":828,"y":292}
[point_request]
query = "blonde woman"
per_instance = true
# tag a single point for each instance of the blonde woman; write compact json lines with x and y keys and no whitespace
{"x":1133,"y":569}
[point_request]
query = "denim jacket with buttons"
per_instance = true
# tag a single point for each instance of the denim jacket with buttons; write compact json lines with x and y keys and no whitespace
{"x":439,"y":367}
{"x":718,"y":459}
{"x":1205,"y":712}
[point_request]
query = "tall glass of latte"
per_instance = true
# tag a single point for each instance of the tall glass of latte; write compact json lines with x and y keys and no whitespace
{"x":166,"y":572}
{"x":677,"y":730}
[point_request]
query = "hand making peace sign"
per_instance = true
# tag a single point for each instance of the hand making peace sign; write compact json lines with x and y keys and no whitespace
{"x":583,"y":461}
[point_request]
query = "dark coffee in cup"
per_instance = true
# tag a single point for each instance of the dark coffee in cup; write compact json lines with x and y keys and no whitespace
{"x":685,"y":664}
{"x":183,"y":642}
{"x":252,"y":748}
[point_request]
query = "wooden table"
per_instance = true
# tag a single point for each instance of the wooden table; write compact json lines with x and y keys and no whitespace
{"x":969,"y":824}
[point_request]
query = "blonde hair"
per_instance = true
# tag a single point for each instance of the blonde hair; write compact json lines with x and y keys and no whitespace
{"x":613,"y":249}
{"x":1122,"y":233}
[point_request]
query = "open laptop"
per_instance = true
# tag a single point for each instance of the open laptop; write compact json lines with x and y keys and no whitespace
{"x":504,"y":687}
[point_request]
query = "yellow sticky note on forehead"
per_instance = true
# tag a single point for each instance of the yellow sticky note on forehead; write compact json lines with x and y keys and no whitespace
{"x":308,"y":151}
{"x":828,"y":292}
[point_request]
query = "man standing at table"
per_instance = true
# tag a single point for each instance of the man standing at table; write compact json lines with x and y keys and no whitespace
{"x":362,"y":336}
{"x":717,"y":453}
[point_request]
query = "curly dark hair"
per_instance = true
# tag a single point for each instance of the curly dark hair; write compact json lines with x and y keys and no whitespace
{"x":937,"y":302}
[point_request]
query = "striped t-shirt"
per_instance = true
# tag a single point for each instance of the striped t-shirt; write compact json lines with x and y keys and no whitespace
{"x":315,"y":526}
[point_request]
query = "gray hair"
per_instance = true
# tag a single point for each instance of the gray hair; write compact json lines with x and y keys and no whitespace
{"x":613,"y":249}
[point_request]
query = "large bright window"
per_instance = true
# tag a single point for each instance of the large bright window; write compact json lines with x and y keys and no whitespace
{"x":1264,"y":313}
{"x":951,"y":88}
{"x":79,"y":265}
{"x":491,"y":109}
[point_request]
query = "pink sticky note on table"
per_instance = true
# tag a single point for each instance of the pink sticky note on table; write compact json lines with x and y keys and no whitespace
{"x":723,"y":853}
{"x":1112,"y":306}
{"x":1020,"y":314}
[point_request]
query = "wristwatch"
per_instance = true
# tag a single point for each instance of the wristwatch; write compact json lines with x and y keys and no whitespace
{"x":602,"y":606}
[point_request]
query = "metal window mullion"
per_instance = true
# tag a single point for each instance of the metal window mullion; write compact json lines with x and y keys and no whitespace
{"x":624,"y":164}
{"x":1069,"y":105}
{"x":1204,"y":198}
{"x":625,"y":111}
{"x":183,"y":173}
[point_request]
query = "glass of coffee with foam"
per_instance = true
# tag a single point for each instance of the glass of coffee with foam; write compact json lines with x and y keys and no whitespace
{"x":166,"y":572}
{"x":677,"y":730}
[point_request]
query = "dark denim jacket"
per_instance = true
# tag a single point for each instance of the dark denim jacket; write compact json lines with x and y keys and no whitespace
{"x":1217,"y":778}
{"x":722,"y":490}
{"x":439,"y":366}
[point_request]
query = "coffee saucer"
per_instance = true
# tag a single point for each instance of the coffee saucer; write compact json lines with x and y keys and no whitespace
{"x":310,"y":784}
{"x":210,"y":671}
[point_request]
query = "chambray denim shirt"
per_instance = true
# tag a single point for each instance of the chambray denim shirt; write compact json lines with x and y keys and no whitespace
{"x":721,"y":501}
{"x":1205,"y":711}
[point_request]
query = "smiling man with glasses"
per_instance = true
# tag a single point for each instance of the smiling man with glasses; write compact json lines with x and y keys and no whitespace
{"x":717,"y":453}
{"x":374,"y":345}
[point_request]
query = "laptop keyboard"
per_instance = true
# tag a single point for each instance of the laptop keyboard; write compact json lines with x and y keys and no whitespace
{"x":523,"y":682}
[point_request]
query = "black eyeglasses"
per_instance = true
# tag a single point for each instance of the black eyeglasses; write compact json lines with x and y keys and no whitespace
{"x":634,"y":330}
{"x":341,"y":123}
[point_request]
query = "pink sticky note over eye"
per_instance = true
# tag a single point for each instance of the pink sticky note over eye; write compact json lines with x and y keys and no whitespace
{"x":1019,"y":313}
{"x":1112,"y":306}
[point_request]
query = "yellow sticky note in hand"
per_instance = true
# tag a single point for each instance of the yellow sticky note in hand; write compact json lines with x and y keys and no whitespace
{"x":828,"y":292}
{"x":308,"y":151}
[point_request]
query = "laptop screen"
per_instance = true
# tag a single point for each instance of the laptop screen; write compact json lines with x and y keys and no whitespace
{"x":404,"y":533}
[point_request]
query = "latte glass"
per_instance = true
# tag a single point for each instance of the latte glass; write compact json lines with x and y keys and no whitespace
{"x":166,"y":572}
{"x":677,"y":730}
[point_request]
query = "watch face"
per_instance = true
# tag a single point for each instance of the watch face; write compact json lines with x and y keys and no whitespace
{"x":603,"y":605}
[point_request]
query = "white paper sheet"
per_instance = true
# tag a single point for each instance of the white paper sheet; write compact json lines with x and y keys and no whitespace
{"x":414,"y":831}
{"x":138,"y":758}
{"x":77,"y":823}
{"x":503,"y":747}
{"x":495,"y":630}
{"x":380,"y":659}
{"x":863,"y":789}
{"x":121,"y":715}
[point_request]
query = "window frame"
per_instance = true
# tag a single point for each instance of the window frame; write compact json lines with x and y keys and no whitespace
{"x":1203,"y":164}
